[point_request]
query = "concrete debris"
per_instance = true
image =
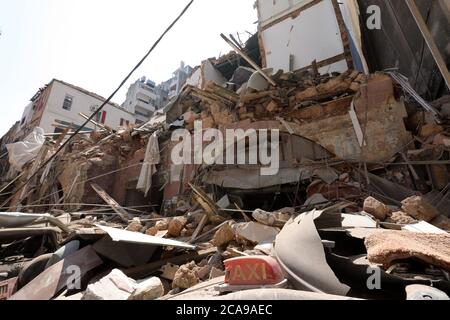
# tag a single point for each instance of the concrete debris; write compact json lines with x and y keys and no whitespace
{"x":400,"y":218}
{"x":176,"y":225}
{"x":135,"y":226}
{"x":150,"y":289}
{"x":376,"y":208}
{"x":203,"y":272}
{"x":115,"y":286}
{"x":360,"y":156}
{"x":153,"y":231}
{"x":223,"y":236}
{"x":273,"y":219}
{"x":162,"y":225}
{"x":256,"y":232}
{"x":185,"y":277}
{"x":386,"y":247}
{"x":169,"y":271}
{"x":419,"y":208}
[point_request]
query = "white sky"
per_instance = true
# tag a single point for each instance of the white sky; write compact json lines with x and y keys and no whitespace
{"x":95,"y":43}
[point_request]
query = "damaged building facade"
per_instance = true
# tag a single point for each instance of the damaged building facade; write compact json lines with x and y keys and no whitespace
{"x":363,"y":179}
{"x":61,"y":103}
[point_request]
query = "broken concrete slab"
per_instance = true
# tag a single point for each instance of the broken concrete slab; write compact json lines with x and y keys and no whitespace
{"x":256,"y":232}
{"x":357,"y":221}
{"x":150,"y":289}
{"x":115,"y":286}
{"x":386,"y":247}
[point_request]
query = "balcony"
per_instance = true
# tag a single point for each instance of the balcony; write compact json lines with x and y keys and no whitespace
{"x":143,"y":113}
{"x":144,"y":107}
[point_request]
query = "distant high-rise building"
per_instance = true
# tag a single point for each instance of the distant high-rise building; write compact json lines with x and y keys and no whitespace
{"x":144,"y":98}
{"x":174,"y":85}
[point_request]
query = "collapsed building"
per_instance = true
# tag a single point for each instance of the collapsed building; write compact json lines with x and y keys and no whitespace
{"x":362,"y":181}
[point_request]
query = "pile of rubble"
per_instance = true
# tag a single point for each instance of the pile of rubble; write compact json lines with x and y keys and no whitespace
{"x":357,"y":189}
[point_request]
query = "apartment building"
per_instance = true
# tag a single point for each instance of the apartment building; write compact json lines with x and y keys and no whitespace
{"x":174,"y":85}
{"x":144,"y":98}
{"x":60,"y":103}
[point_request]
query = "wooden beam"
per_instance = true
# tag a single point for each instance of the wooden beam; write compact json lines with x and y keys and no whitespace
{"x":199,"y":228}
{"x":345,"y":37}
{"x":258,"y":95}
{"x":121,"y":212}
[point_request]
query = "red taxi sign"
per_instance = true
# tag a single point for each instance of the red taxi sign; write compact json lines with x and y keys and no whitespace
{"x":254,"y":270}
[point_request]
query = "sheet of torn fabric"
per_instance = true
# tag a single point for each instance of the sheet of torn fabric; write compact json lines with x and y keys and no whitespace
{"x":20,"y":153}
{"x":152,"y":158}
